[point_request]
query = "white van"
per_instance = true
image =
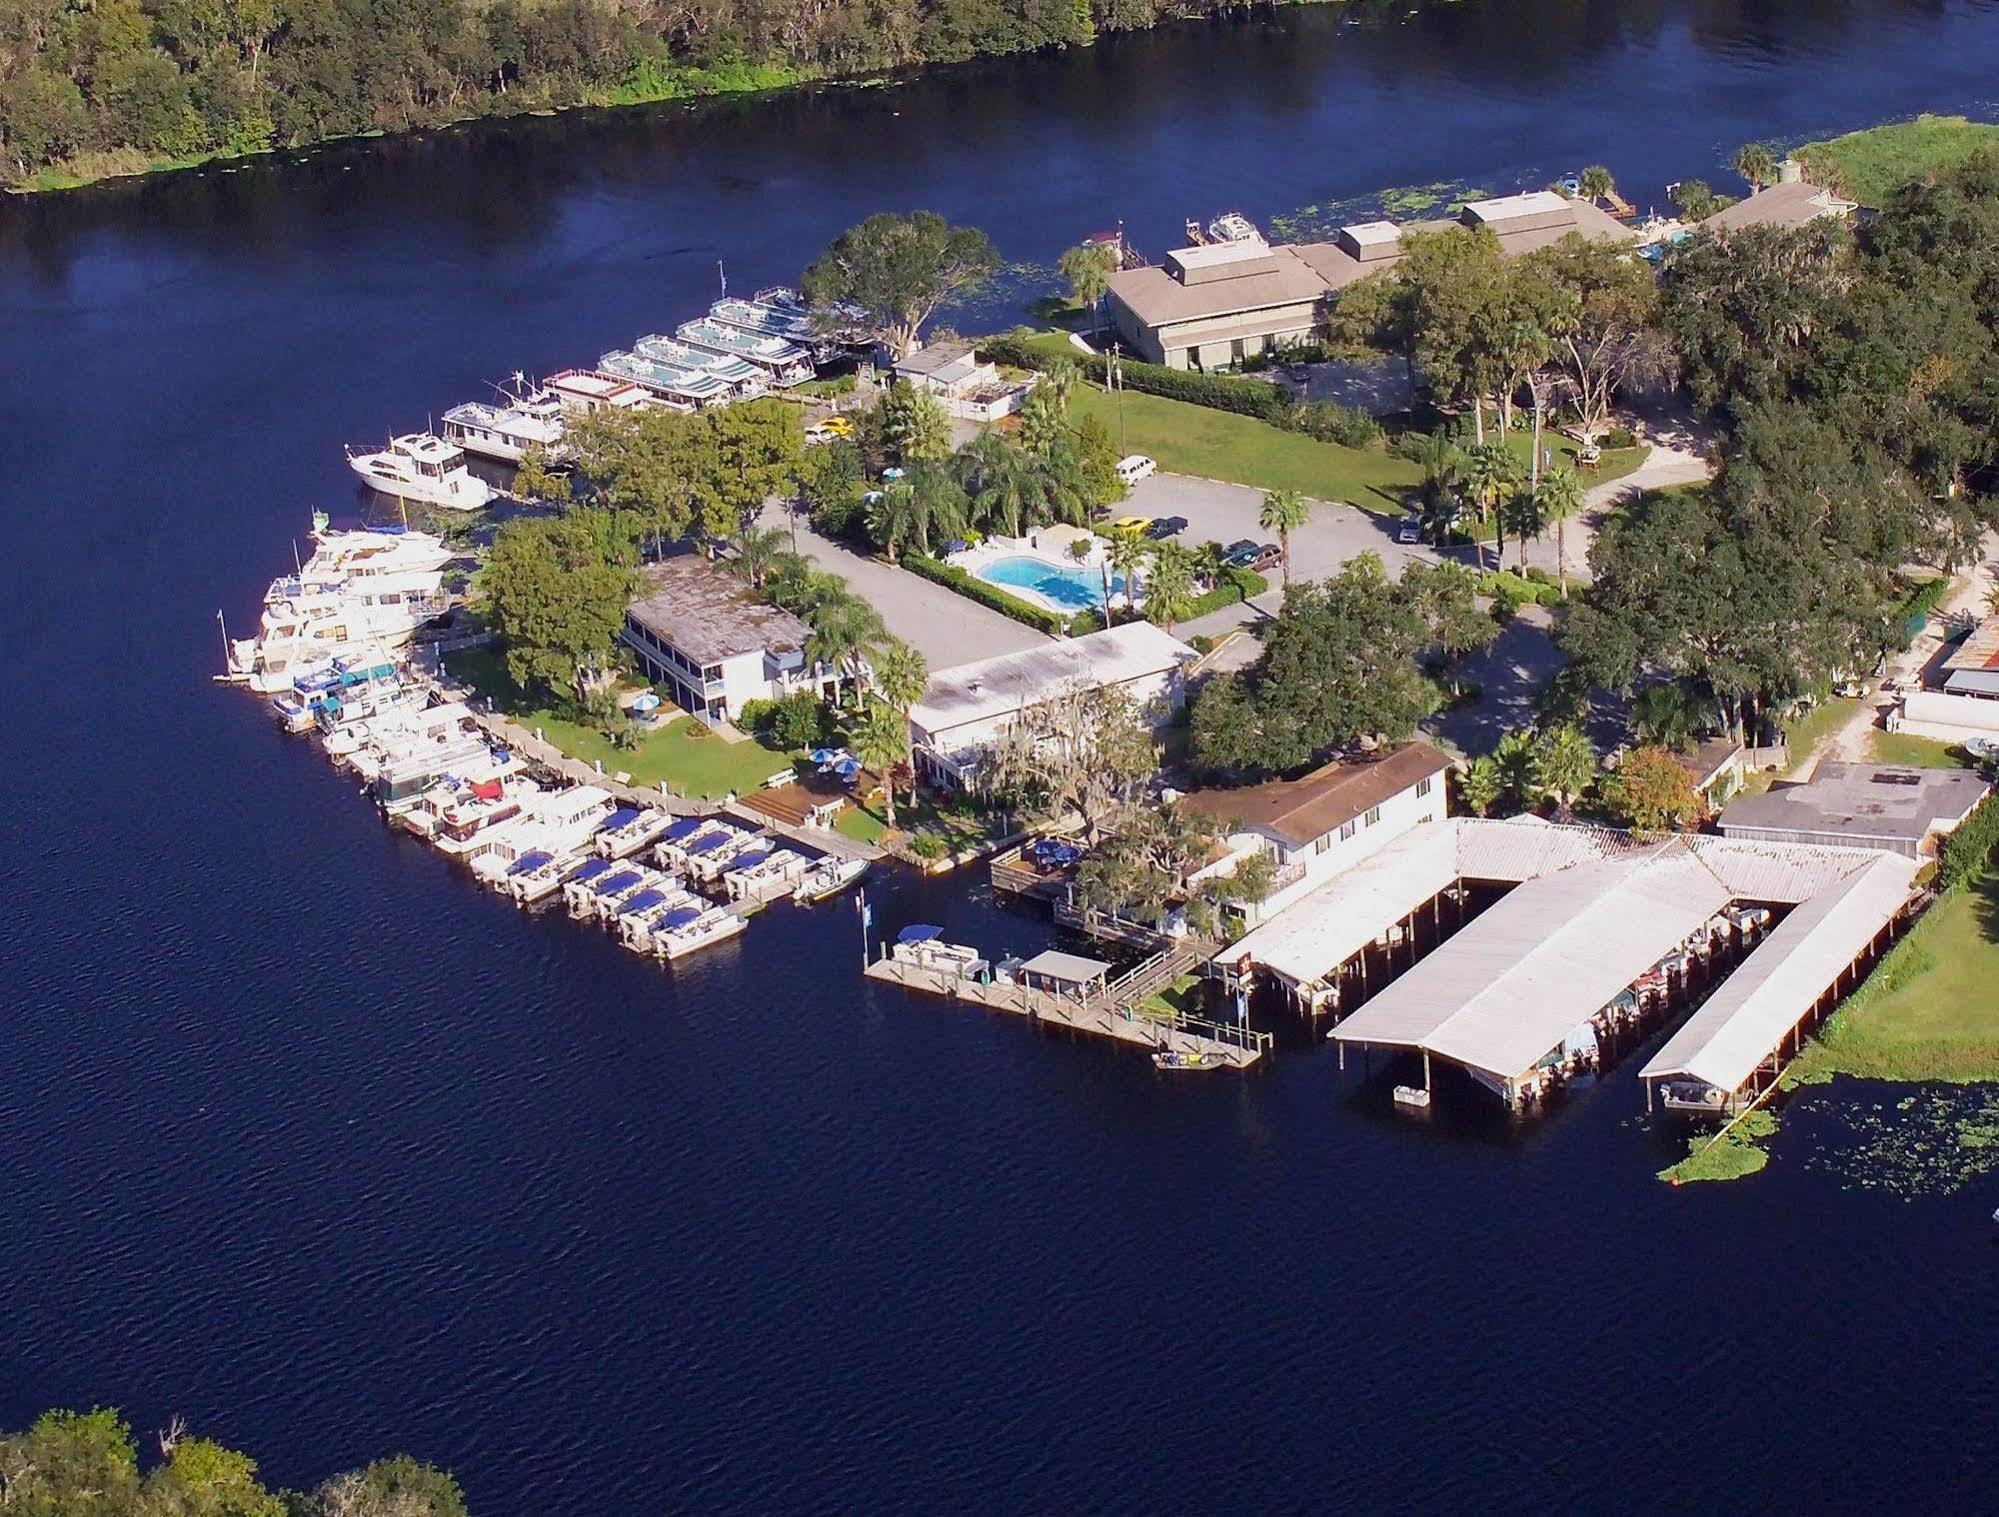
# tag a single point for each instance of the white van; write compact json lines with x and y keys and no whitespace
{"x":1131,"y":470}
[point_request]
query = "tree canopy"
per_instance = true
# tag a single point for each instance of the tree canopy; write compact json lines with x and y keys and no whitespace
{"x":899,"y":269}
{"x":556,"y":589}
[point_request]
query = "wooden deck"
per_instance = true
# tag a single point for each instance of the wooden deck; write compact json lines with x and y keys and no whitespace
{"x":1105,"y":1015}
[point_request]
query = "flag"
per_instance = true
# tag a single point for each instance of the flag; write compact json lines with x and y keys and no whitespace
{"x":1241,"y":1005}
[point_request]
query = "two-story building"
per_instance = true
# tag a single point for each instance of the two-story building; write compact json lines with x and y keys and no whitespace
{"x":704,"y":634}
{"x":1324,"y":822}
{"x":966,"y":708}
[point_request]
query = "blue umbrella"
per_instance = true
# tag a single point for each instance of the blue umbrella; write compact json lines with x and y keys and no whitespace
{"x":847,"y":768}
{"x":823,"y":755}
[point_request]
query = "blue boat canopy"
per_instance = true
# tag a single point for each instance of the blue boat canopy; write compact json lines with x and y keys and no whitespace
{"x":645,"y":900}
{"x":624,"y":879}
{"x":680,"y":916}
{"x":619,"y":818}
{"x":686,"y":827}
{"x":708,"y":844}
{"x":919,"y":932}
{"x":533,"y":859}
{"x":749,"y":860}
{"x":590,"y":870}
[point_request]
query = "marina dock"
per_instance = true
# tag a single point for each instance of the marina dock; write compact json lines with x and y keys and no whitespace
{"x":1112,"y":1012}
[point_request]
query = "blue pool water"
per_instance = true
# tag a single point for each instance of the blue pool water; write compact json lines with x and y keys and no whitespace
{"x":1071,"y":588}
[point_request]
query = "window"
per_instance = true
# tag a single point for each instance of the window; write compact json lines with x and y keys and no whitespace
{"x":1323,"y":843}
{"x":1347,"y":830}
{"x":1423,"y":785}
{"x":1373,"y":815}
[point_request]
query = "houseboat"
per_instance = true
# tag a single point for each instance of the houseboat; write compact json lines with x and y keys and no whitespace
{"x":762,"y":874}
{"x":677,"y":935}
{"x":525,"y":417}
{"x":745,"y":380}
{"x":782,"y":363}
{"x":629,"y":829}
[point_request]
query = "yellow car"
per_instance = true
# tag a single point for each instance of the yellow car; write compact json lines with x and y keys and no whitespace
{"x":1130,"y":524}
{"x":839,"y":426}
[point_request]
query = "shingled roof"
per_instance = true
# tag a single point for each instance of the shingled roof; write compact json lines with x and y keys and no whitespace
{"x":1297,"y":811}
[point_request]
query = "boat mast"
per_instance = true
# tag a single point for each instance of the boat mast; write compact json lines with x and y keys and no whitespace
{"x":223,"y":623}
{"x":723,"y":275}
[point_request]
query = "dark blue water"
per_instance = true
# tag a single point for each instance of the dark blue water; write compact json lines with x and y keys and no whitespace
{"x":310,"y":1141}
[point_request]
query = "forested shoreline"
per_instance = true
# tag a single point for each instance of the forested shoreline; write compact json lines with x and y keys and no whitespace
{"x":93,"y":88}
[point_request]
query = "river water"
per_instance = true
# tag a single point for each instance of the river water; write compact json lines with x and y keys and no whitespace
{"x":310,"y":1141}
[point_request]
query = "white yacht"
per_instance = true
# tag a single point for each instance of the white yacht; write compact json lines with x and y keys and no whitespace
{"x":423,"y":467}
{"x":525,"y":416}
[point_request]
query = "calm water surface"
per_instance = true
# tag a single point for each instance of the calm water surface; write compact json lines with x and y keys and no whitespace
{"x":308,"y":1140}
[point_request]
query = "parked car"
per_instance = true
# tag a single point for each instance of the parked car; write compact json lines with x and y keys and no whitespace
{"x":1135,"y":467}
{"x":1409,"y":529}
{"x":819,"y":432}
{"x":1165,"y":527}
{"x":1267,"y":556}
{"x":1130,"y":524}
{"x":839,"y":426}
{"x":1241,"y":546}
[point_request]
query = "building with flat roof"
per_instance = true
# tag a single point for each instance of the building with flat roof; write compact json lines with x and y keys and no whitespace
{"x":1973,"y":665}
{"x":704,"y":634}
{"x":965,"y":709}
{"x":1886,"y":806}
{"x":1215,"y":304}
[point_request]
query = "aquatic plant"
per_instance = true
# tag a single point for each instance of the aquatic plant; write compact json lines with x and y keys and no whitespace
{"x":1729,"y":1155}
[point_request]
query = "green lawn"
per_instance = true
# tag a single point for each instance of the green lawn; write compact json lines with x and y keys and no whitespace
{"x":1191,"y":439}
{"x":1881,"y":159}
{"x":1928,"y":1011}
{"x":1182,"y":996}
{"x":1923,"y":752}
{"x":867,"y":820}
{"x":860,"y":824}
{"x":692,"y":760}
{"x":1614,"y":464}
{"x":1814,"y":727}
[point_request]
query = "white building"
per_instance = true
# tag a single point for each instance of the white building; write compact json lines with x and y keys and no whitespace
{"x":965,"y":709}
{"x":1327,"y":821}
{"x":969,"y":389}
{"x":706,"y":636}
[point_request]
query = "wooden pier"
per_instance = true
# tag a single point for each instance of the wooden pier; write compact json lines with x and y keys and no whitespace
{"x":1112,"y":1013}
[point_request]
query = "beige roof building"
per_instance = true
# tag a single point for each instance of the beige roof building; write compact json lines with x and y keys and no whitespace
{"x":1791,"y":204}
{"x":1216,"y":304}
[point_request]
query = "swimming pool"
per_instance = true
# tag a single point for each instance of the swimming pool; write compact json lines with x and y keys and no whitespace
{"x":1063,"y":585}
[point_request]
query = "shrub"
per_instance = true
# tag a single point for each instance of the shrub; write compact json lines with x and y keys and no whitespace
{"x":1918,"y":606}
{"x":798,"y":720}
{"x":1350,"y":427}
{"x":1233,"y":586}
{"x":986,"y":595}
{"x":1967,"y":853}
{"x":1200,"y":642}
{"x":840,"y":517}
{"x":1220,"y":392}
{"x":927,"y":846}
{"x":1620,"y":437}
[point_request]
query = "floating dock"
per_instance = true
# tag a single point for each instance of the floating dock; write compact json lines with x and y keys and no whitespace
{"x":1111,"y":1013}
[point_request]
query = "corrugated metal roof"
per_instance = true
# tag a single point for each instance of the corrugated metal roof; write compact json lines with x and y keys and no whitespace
{"x":1508,"y":987}
{"x":1770,"y":992}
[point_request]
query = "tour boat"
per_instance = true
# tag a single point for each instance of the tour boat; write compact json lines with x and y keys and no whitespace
{"x":675,"y":935}
{"x":829,"y":877}
{"x":423,"y":467}
{"x":526,"y":417}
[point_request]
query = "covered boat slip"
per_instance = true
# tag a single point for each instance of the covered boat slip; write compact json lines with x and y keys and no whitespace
{"x":1813,"y":956}
{"x":1594,"y":912}
{"x":1504,"y":993}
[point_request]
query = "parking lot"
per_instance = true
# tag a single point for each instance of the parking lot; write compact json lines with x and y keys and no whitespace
{"x":1227,"y":513}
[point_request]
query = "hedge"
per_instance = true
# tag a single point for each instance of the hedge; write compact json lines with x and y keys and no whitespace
{"x":1918,"y":604}
{"x":977,"y":589}
{"x":1245,"y":397}
{"x":1512,"y":591}
{"x":1236,"y":585}
{"x":1967,"y":852}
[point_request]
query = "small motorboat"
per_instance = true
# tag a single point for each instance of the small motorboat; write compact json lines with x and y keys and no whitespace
{"x":1412,"y":1096}
{"x":829,"y":877}
{"x":1181,"y":1058}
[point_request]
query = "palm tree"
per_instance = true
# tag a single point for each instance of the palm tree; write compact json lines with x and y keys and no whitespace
{"x":1517,"y":761}
{"x":898,"y":517}
{"x":997,"y":479}
{"x":1211,"y":558}
{"x":879,"y":739}
{"x":901,"y":675}
{"x":1088,"y":268}
{"x":1060,"y":379}
{"x":845,"y":629}
{"x":1488,"y":471}
{"x":1667,"y":715}
{"x":1479,"y":785}
{"x":1124,"y":551}
{"x":757,"y":551}
{"x":1523,"y":513}
{"x":1169,"y":583}
{"x":1284,"y":511}
{"x":1596,"y":183}
{"x":1562,"y":495}
{"x":943,"y":501}
{"x":1565,"y":764}
{"x":1753,"y":162}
